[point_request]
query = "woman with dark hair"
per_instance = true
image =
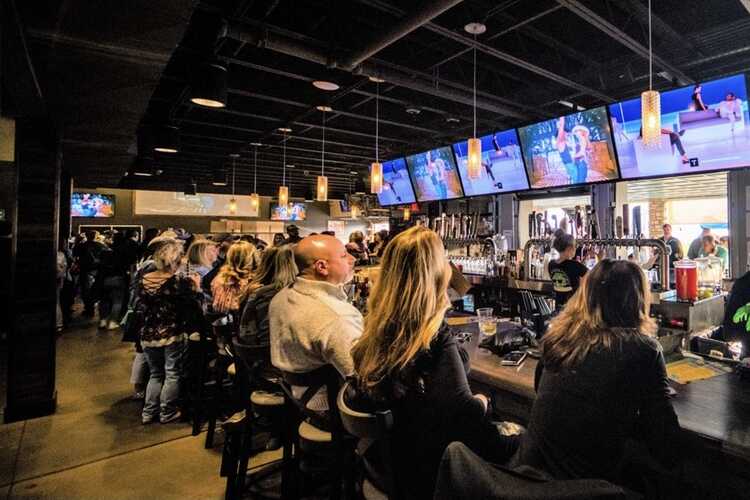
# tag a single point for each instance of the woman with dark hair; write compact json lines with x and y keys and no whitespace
{"x":357,"y":248}
{"x":698,"y":99}
{"x":601,"y":382}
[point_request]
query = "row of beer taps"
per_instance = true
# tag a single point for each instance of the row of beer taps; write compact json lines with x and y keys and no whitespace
{"x":581,"y":222}
{"x":456,"y":226}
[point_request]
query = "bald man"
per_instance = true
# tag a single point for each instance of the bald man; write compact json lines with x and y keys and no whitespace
{"x":312,"y":323}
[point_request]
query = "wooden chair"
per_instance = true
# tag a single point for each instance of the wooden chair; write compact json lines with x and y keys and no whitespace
{"x":372,"y":430}
{"x":309,"y":449}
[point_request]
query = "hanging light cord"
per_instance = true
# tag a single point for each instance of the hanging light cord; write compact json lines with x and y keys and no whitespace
{"x":650,"y":52}
{"x":283,"y":180}
{"x":234,"y":162}
{"x":323,"y":150}
{"x":475,"y":84}
{"x":255,"y":171}
{"x":377,"y":120}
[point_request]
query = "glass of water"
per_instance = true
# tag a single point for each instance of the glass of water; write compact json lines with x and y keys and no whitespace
{"x":487,"y":323}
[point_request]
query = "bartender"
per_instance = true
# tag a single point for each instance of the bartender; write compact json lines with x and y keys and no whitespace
{"x":675,"y":249}
{"x":565,"y":272}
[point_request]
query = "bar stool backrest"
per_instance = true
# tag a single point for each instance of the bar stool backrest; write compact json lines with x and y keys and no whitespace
{"x":324,"y":377}
{"x":376,"y":430}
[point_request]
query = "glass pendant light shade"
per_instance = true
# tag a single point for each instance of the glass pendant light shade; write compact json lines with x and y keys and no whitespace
{"x":376,"y":178}
{"x":355,"y":211}
{"x":254,"y":201}
{"x":474,"y":161}
{"x":407,"y":213}
{"x":283,"y":195}
{"x":651,"y":118}
{"x":232,"y":206}
{"x":322,"y":188}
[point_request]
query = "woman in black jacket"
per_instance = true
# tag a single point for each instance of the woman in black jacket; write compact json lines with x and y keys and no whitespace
{"x":407,"y":361}
{"x":603,"y":385}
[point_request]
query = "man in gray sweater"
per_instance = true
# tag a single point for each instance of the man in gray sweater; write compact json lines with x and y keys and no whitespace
{"x":312,"y":324}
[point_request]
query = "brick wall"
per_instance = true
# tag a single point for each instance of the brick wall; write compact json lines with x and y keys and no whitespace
{"x":656,"y":217}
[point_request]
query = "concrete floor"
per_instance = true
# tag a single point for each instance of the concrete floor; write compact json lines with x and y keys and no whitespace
{"x":94,"y":446}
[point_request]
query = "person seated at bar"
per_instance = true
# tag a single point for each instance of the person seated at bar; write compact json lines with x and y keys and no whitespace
{"x":565,"y":272}
{"x":230,"y":287}
{"x":711,"y":249}
{"x":277,"y":270}
{"x":357,"y":248}
{"x":601,"y":384}
{"x":408,"y":361}
{"x":312,"y":323}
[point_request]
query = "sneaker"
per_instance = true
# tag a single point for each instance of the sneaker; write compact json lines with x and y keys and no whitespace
{"x":171,"y":418}
{"x":148,"y":420}
{"x":112,"y":325}
{"x":103,"y":323}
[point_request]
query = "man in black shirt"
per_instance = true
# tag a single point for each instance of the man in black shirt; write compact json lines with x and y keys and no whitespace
{"x":565,"y":272}
{"x":294,"y":237}
{"x":88,"y":255}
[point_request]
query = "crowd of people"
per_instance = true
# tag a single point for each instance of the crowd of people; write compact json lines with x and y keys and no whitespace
{"x":600,"y":362}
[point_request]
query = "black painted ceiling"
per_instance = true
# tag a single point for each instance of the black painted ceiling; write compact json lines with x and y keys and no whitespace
{"x":533,"y":55}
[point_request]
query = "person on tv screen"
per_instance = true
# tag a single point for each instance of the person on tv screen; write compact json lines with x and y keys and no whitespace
{"x":565,"y":155}
{"x":731,"y":108}
{"x":675,"y":140}
{"x":698,"y":99}
{"x":388,"y":184}
{"x":436,"y":171}
{"x":580,"y":158}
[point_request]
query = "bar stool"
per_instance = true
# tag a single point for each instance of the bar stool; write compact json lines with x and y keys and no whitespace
{"x":372,"y":429}
{"x":267,"y":401}
{"x":310,"y":450}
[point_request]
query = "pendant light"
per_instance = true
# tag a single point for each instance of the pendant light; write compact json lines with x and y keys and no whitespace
{"x":254,"y":198}
{"x":650,"y":101}
{"x":474,"y":156}
{"x":209,"y":86}
{"x":407,"y":213}
{"x":322,"y":191}
{"x":376,"y":169}
{"x":283,"y":189}
{"x":232,"y":201}
{"x":166,"y":139}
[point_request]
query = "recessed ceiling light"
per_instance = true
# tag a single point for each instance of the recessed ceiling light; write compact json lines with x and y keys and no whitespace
{"x":256,"y":144}
{"x":354,"y":172}
{"x":567,"y":104}
{"x":475,"y":28}
{"x":376,"y":79}
{"x":234,"y":155}
{"x":452,"y":119}
{"x":284,"y":129}
{"x":413,"y":111}
{"x":325,"y":109}
{"x":325,"y":85}
{"x":580,"y":108}
{"x":289,"y":166}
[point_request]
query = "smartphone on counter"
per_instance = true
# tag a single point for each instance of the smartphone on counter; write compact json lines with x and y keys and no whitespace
{"x":514,"y":358}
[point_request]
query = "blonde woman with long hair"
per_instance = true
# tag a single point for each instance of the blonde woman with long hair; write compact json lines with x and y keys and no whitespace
{"x":231,"y":285}
{"x":602,"y":381}
{"x":201,"y":256}
{"x":277,"y":270}
{"x":408,"y":361}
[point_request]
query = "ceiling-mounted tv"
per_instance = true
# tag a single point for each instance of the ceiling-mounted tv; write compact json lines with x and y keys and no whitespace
{"x":569,"y":150}
{"x":435,"y":175}
{"x":397,"y":188}
{"x":704,"y":128}
{"x":92,"y":205}
{"x":502,"y":165}
{"x":290,"y":211}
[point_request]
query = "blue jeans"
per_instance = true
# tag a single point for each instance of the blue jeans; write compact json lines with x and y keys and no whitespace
{"x":572,"y":172}
{"x":583,"y":171}
{"x":163,"y":389}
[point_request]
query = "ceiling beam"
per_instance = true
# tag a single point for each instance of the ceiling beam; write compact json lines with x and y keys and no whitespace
{"x":617,"y":34}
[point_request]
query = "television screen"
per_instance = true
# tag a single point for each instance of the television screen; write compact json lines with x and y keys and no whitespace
{"x":397,"y":187}
{"x":502,"y":165}
{"x":174,"y":203}
{"x":572,"y":149}
{"x":292,"y":211}
{"x":92,"y":205}
{"x":703,"y":128}
{"x":435,"y":175}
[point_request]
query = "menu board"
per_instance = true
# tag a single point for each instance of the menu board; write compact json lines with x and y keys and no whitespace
{"x":397,"y":188}
{"x":502,"y":165}
{"x":435,"y":175}
{"x":569,"y":150}
{"x":703,"y":128}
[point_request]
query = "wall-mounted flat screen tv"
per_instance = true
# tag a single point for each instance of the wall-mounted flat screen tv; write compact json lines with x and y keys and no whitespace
{"x":435,"y":175}
{"x":397,"y":188}
{"x":291,"y":211}
{"x":92,"y":205}
{"x":704,"y":127}
{"x":502,"y":165}
{"x":571,"y":149}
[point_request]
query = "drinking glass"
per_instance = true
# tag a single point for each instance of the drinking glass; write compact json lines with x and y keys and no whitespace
{"x":487,"y":324}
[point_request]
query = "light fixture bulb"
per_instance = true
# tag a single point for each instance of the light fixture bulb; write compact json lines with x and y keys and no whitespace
{"x":474,"y":159}
{"x":407,"y":213}
{"x":376,"y":178}
{"x":283,"y":195}
{"x":232,"y":206}
{"x":355,"y":211}
{"x":322,"y":188}
{"x":651,"y":118}
{"x":254,"y":201}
